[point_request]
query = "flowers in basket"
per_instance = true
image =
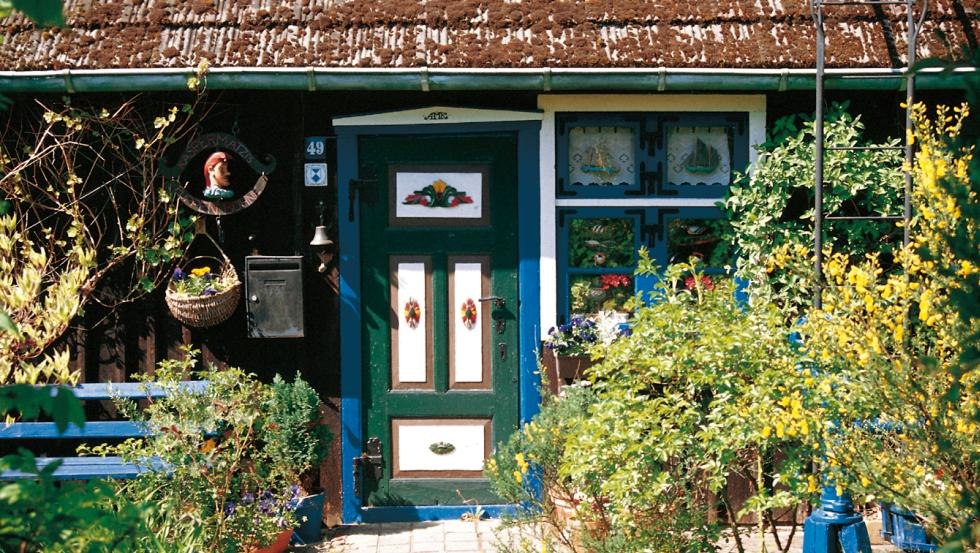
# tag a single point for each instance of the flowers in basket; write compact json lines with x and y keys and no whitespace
{"x":199,"y":282}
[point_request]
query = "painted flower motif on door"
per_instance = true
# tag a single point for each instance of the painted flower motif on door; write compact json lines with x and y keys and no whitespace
{"x":438,"y":194}
{"x":413,"y":313}
{"x":469,"y":314}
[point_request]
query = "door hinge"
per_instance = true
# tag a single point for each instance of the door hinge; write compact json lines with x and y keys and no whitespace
{"x":371,"y":458}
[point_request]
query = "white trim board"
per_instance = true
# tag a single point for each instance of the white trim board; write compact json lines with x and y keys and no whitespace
{"x":550,"y":104}
{"x":437,"y":115}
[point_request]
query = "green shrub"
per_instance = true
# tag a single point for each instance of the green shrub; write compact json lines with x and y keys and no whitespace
{"x":771,"y":209}
{"x":294,"y":431}
{"x":524,"y":470}
{"x":683,"y":403}
{"x":223,"y":487}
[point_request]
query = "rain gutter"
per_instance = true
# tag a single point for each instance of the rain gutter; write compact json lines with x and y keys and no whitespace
{"x":434,"y":80}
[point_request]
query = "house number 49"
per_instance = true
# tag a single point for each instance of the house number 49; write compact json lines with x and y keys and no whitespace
{"x":316,"y":148}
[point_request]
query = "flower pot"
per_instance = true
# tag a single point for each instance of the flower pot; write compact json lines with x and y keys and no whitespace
{"x":572,"y":367}
{"x":279,"y":545}
{"x":567,"y":517}
{"x":562,"y":370}
{"x":309,"y":513}
{"x":904,"y":529}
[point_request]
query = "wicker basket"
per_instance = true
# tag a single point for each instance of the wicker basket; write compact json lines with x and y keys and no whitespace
{"x":206,"y":311}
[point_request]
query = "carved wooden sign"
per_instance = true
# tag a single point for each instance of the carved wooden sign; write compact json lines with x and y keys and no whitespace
{"x":237,"y":152}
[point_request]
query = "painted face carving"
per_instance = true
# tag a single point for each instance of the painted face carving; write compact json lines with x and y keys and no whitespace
{"x":216,"y":172}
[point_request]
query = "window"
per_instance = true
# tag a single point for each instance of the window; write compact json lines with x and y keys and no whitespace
{"x":626,"y":180}
{"x":649,"y":155}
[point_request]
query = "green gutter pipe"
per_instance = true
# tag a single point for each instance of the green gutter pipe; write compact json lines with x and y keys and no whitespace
{"x":428,"y":79}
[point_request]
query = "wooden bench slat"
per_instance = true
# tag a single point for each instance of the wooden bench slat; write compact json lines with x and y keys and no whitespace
{"x":133,"y":390}
{"x":94,"y":429}
{"x":85,"y":468}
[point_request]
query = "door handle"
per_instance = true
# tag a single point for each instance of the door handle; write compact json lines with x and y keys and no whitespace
{"x":498,"y":302}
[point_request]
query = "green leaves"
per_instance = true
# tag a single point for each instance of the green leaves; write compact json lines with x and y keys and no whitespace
{"x":31,"y":401}
{"x":44,"y":12}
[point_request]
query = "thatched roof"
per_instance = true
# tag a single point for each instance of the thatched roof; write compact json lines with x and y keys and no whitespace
{"x":102,"y":34}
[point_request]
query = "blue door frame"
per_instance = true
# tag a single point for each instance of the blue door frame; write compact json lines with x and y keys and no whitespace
{"x":529,"y":239}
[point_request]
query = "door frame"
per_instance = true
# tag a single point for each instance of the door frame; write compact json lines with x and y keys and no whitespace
{"x":430,"y":120}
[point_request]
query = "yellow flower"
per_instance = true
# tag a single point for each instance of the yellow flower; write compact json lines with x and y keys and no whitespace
{"x":200,"y":271}
{"x":521,"y":462}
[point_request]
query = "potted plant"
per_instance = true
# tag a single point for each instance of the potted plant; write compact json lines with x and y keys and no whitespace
{"x":214,"y":481}
{"x":297,"y":440}
{"x":204,"y":291}
{"x":571,"y":343}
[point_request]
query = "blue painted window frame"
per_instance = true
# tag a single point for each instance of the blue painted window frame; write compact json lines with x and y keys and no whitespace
{"x":650,"y":152}
{"x":565,"y":272}
{"x":651,"y":227}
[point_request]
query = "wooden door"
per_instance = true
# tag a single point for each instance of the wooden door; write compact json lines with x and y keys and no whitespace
{"x":440,"y":328}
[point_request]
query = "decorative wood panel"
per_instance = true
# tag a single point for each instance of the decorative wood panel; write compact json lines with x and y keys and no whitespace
{"x":411,"y":325}
{"x":469,"y":328}
{"x":439,"y":448}
{"x":452,"y":195}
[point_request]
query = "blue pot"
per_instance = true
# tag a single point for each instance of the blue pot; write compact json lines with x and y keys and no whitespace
{"x":309,"y":511}
{"x":903,"y":529}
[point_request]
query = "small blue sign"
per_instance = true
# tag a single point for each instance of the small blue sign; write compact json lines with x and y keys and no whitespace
{"x":315,"y":174}
{"x":316,"y":148}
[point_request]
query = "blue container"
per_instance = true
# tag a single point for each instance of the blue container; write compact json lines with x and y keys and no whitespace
{"x":309,"y":511}
{"x":903,"y":529}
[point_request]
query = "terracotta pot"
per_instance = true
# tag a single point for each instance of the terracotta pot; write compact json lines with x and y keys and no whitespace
{"x":279,"y":545}
{"x":572,"y":367}
{"x":566,"y":516}
{"x":562,"y":370}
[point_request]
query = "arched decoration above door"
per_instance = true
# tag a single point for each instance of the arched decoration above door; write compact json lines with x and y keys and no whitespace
{"x":234,"y":153}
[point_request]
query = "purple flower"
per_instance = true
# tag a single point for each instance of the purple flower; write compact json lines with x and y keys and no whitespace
{"x":209,"y":291}
{"x":179,"y":274}
{"x":208,"y":277}
{"x":229,"y":508}
{"x":248,"y":498}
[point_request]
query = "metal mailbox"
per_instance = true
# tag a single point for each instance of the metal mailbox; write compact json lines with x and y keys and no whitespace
{"x":274,"y":296}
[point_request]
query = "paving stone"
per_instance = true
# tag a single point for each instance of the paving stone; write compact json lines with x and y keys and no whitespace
{"x":428,"y":547}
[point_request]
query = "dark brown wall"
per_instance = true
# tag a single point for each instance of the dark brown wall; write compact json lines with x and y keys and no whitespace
{"x":133,"y":338}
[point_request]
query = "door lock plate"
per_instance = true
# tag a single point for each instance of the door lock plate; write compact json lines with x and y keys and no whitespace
{"x":371,"y":459}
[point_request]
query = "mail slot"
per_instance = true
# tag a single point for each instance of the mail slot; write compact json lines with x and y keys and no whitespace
{"x":274,"y":296}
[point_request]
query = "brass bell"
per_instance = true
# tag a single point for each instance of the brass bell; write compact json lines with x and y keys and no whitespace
{"x":320,"y":238}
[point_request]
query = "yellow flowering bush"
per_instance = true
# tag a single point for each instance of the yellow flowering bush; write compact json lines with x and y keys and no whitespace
{"x":77,"y":207}
{"x":899,"y":408}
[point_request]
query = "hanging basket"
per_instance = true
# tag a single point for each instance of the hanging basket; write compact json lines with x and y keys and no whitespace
{"x":202,"y":311}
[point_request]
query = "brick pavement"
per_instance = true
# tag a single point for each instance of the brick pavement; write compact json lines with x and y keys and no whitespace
{"x":456,"y":536}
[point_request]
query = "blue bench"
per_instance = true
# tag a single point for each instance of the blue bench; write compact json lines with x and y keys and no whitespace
{"x":86,"y":468}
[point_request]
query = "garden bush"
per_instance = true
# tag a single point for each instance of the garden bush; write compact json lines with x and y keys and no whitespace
{"x":229,"y":480}
{"x":771,"y":209}
{"x":890,"y":347}
{"x":671,"y":411}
